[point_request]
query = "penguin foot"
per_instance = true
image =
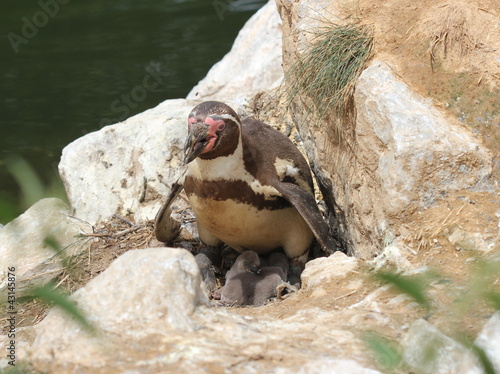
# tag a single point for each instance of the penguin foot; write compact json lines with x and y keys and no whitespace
{"x":207,"y":271}
{"x":296,"y":268}
{"x":217,"y":294}
{"x":294,"y":279}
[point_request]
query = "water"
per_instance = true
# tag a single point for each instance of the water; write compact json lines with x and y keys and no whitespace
{"x":68,"y":67}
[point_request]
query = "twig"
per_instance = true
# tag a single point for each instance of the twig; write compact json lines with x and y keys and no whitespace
{"x":123,"y":219}
{"x":123,"y":232}
{"x":347,"y":294}
{"x":62,"y":280}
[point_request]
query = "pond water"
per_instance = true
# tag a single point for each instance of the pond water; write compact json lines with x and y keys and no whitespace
{"x":68,"y":67}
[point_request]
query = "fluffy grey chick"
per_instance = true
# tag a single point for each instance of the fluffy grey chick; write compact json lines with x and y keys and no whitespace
{"x":247,"y":283}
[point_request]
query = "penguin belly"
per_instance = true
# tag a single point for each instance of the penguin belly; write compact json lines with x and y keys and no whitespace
{"x":245,"y":227}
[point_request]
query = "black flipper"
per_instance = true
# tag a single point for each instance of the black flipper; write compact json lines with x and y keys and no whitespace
{"x":308,"y":209}
{"x":167,"y":229}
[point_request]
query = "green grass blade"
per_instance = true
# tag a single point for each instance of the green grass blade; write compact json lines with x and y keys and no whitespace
{"x":52,"y":296}
{"x":410,"y":286}
{"x":31,"y":186}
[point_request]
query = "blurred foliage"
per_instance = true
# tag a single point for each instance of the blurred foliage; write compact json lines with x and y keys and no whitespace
{"x":31,"y":189}
{"x":52,"y":296}
{"x":387,"y":352}
{"x":20,"y":368}
{"x":480,"y":287}
{"x":412,"y":286}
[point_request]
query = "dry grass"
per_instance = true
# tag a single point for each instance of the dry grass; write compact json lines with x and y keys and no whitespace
{"x":109,"y":241}
{"x":454,"y":31}
{"x":327,"y":71}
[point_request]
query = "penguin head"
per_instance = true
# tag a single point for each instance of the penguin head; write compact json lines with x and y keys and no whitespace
{"x":213,"y":130}
{"x":248,"y":262}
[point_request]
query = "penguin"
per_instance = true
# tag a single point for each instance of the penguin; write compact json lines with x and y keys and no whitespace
{"x":249,"y":187}
{"x":248,"y":283}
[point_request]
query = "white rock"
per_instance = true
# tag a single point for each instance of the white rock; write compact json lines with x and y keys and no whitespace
{"x":396,"y":254}
{"x":117,"y":169}
{"x":402,"y":154}
{"x":423,"y":341}
{"x":472,"y":241}
{"x":489,"y":340}
{"x":150,"y":307}
{"x":252,"y":65}
{"x":158,"y":292}
{"x":328,"y":365}
{"x":420,"y":154}
{"x":23,"y":247}
{"x":326,"y":269}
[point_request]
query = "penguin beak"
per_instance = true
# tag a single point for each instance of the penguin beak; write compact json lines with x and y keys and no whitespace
{"x":255,"y":269}
{"x":196,"y":142}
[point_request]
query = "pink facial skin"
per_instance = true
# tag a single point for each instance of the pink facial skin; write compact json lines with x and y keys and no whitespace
{"x":191,"y":121}
{"x":214,"y":125}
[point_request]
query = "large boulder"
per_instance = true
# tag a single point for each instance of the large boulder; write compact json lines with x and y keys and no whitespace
{"x":33,"y":246}
{"x":394,"y":154}
{"x":126,"y":168}
{"x":489,"y":340}
{"x":149,"y":308}
{"x":428,"y":350}
{"x":252,"y":65}
{"x":158,"y":291}
{"x":408,"y":157}
{"x":417,"y":153}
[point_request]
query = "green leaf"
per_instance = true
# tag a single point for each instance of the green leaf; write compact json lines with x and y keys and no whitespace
{"x":494,"y":299}
{"x":479,"y":353}
{"x":410,"y":286}
{"x":31,"y":186}
{"x":50,"y":295}
{"x":483,"y":359}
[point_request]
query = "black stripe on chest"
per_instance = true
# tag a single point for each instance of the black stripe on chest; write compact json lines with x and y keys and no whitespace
{"x":236,"y":190}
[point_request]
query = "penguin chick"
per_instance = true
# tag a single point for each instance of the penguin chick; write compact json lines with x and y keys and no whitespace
{"x":249,"y":284}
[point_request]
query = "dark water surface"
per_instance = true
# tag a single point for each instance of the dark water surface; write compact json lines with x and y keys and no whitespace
{"x":68,"y":67}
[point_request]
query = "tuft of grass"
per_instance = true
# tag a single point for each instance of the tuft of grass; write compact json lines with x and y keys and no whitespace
{"x":327,"y":71}
{"x":22,"y":367}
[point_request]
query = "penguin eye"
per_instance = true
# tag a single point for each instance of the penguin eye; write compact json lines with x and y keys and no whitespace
{"x":221,"y":127}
